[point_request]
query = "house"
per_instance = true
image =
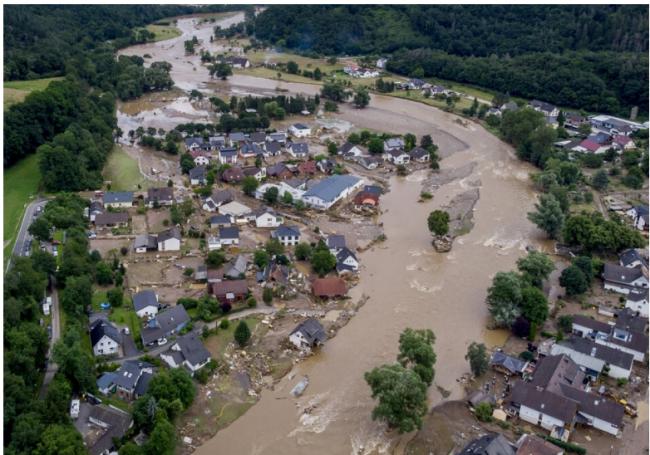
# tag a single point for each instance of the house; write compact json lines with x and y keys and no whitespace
{"x":214,"y":243}
{"x":95,"y":208}
{"x":381,"y":63}
{"x":274,"y":272}
{"x":200,"y":157}
{"x":232,"y":175}
{"x":279,"y":171}
{"x":637,"y":301}
{"x":307,"y":167}
{"x":419,"y":155}
{"x":130,"y":375}
{"x":198,"y":175}
{"x":575,"y":121}
{"x":624,"y":279}
{"x":326,"y":166}
{"x":639,"y":216}
{"x":614,"y":125}
{"x":529,"y":444}
{"x":229,"y":290}
{"x":169,"y":240}
{"x":118,"y":199}
{"x":215,"y":275}
{"x":250,"y":150}
{"x":227,"y":156}
{"x":229,"y":235}
{"x":330,"y":190}
{"x":346,"y":261}
{"x":273,"y":148}
{"x":145,"y":242}
{"x":349,"y":150}
{"x":616,"y":336}
{"x":254,"y":171}
{"x":397,"y":157}
{"x":494,"y":111}
{"x":393,"y":143}
{"x":108,"y":220}
{"x":299,"y":130}
{"x":308,"y":334}
{"x":509,"y":106}
{"x":600,"y":138}
{"x":489,"y":444}
{"x":105,"y":338}
{"x":545,"y":108}
{"x":298,"y":149}
{"x":238,"y":62}
{"x":507,"y":364}
{"x":373,"y":189}
{"x":622,"y":142}
{"x":366,"y":199}
{"x":236,"y":210}
{"x":160,"y":196}
{"x":236,"y":137}
{"x":145,"y":304}
{"x":111,"y":424}
{"x":330,"y":287}
{"x":194,"y":143}
{"x":187,"y":351}
{"x":632,"y":258}
{"x":287,"y":235}
{"x":237,"y":269}
{"x":217,"y":199}
{"x":590,"y":146}
{"x":217,"y":142}
{"x":164,"y":324}
{"x":369,"y":162}
{"x":201,"y":273}
{"x":335,"y":243}
{"x":267,"y":218}
{"x":217,"y":221}
{"x":595,"y":357}
{"x":279,"y":137}
{"x":259,"y":138}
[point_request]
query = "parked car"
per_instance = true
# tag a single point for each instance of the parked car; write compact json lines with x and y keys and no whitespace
{"x":74,"y":408}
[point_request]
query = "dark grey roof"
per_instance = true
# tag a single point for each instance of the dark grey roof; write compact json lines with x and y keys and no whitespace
{"x":197,"y":173}
{"x":251,"y":148}
{"x":111,"y":218}
{"x":331,"y":187}
{"x":512,"y":364}
{"x":220,"y":219}
{"x":143,"y":383}
{"x":258,"y":137}
{"x":118,"y":196}
{"x":547,"y":402}
{"x":192,"y":349}
{"x":228,"y":152}
{"x":373,"y":189}
{"x":591,"y":323}
{"x":217,"y":140}
{"x":623,"y":275}
{"x":127,"y":375}
{"x":171,"y":318}
{"x":171,"y":233}
{"x":626,"y":319}
{"x":276,"y":169}
{"x":144,"y":299}
{"x":595,"y":405}
{"x":636,"y":341}
{"x":631,"y":256}
{"x":489,"y":444}
{"x":312,"y":330}
{"x":300,"y":147}
{"x":542,"y":105}
{"x":394,"y":142}
{"x":106,"y":380}
{"x":277,"y":137}
{"x":237,"y":136}
{"x":193,"y":140}
{"x":273,"y":147}
{"x":231,"y":232}
{"x":147,"y":241}
{"x":637,"y":295}
{"x":418,"y":152}
{"x":161,"y":194}
{"x":598,"y":351}
{"x":336,"y":241}
{"x":96,"y":207}
{"x":102,"y":327}
{"x":222,"y":196}
{"x":300,"y":126}
{"x":344,"y":253}
{"x":286,"y":231}
{"x":238,"y":267}
{"x":118,"y":423}
{"x":552,"y":371}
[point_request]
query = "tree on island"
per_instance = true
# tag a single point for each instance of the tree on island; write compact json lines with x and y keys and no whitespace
{"x":438,"y":222}
{"x":478,"y":358}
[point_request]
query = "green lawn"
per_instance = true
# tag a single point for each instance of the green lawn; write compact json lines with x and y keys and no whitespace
{"x":163,"y":32}
{"x":126,"y":316}
{"x":20,"y":185}
{"x":123,"y":172}
{"x":16,"y":91}
{"x":218,"y":342}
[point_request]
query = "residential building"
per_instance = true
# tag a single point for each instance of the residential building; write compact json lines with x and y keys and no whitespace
{"x":267,"y":218}
{"x":287,"y":235}
{"x":397,"y":157}
{"x":589,"y":146}
{"x":346,"y":261}
{"x":188,"y":351}
{"x":545,"y":108}
{"x":105,"y":338}
{"x":279,"y":137}
{"x":238,"y":62}
{"x":308,"y":334}
{"x":111,"y":425}
{"x":335,"y":243}
{"x":169,"y":240}
{"x":507,"y":364}
{"x":237,"y":137}
{"x":637,"y":301}
{"x":118,"y":199}
{"x":529,"y":444}
{"x":631,"y":258}
{"x":299,"y":130}
{"x":614,"y":125}
{"x":350,"y":150}
{"x":229,"y":235}
{"x":232,"y":175}
{"x":330,"y":190}
{"x":279,"y":171}
{"x":624,"y":279}
{"x":217,"y":142}
{"x":238,"y":211}
{"x":489,"y":444}
{"x":227,"y":156}
{"x":393,"y":143}
{"x":639,"y":216}
{"x":616,"y":336}
{"x":621,"y":142}
{"x":237,"y":268}
{"x":272,"y":148}
{"x":200,"y":157}
{"x":369,"y":162}
{"x":194,"y":143}
{"x":254,"y":171}
{"x":330,"y":287}
{"x":419,"y":155}
{"x":198,"y":175}
{"x":298,"y":149}
{"x":229,"y":290}
{"x":259,"y":138}
{"x":145,"y":242}
{"x":145,"y":304}
{"x":95,"y":208}
{"x":366,"y":199}
{"x":128,"y":376}
{"x":109,"y":220}
{"x":161,"y":196}
{"x":164,"y":324}
{"x":217,"y":199}
{"x":307,"y":168}
{"x":595,"y":358}
{"x":217,"y":221}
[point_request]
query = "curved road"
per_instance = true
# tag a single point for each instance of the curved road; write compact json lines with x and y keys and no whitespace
{"x":23,"y":235}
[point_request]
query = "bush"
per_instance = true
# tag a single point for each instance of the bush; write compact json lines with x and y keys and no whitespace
{"x":267,"y":296}
{"x":188,"y":271}
{"x":251,"y":302}
{"x":483,"y":412}
{"x":224,"y":324}
{"x":564,"y":323}
{"x":527,"y":356}
{"x":572,"y":448}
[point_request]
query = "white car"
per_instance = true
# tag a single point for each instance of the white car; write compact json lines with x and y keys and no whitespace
{"x":74,"y":408}
{"x":162,"y":341}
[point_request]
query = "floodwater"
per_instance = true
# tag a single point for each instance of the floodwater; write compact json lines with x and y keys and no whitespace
{"x":407,"y":282}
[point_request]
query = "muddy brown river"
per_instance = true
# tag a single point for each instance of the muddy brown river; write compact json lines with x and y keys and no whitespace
{"x":407,"y":282}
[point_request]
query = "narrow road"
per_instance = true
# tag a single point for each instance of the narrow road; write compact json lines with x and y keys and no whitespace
{"x":52,"y":367}
{"x":23,"y":236}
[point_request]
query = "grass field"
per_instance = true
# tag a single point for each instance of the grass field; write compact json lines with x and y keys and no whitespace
{"x":415,"y":95}
{"x":126,"y":316}
{"x":16,"y":91}
{"x":20,"y":185}
{"x":163,"y":32}
{"x":123,"y":172}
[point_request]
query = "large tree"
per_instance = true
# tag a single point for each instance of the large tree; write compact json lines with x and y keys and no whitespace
{"x":534,"y":306}
{"x":535,"y":267}
{"x":478,"y":358}
{"x":548,"y":215}
{"x":438,"y":222}
{"x":574,"y":281}
{"x":416,"y":352}
{"x":504,"y":298}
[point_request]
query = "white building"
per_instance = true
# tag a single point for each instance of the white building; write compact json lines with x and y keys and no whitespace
{"x":299,"y":130}
{"x":397,"y":157}
{"x":118,"y":199}
{"x":637,"y":301}
{"x":283,"y":187}
{"x":267,"y":218}
{"x":237,"y":211}
{"x":169,"y":240}
{"x":624,"y":279}
{"x":105,"y":338}
{"x":308,"y":334}
{"x":594,"y":357}
{"x":287,"y":235}
{"x":187,"y":351}
{"x":145,"y":304}
{"x":330,"y":190}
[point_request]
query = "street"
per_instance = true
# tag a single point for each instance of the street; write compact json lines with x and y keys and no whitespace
{"x":23,"y":236}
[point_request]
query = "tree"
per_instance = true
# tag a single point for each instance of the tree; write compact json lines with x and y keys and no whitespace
{"x":426,"y":141}
{"x":115,"y":297}
{"x":483,"y":411}
{"x":267,"y":295}
{"x":535,"y":267}
{"x":274,"y":247}
{"x":215,"y":259}
{"x":271,"y":195}
{"x":162,"y":439}
{"x":361,"y":97}
{"x":61,"y":439}
{"x":548,"y":215}
{"x":242,"y":333}
{"x":77,"y":294}
{"x":41,"y":229}
{"x":335,"y":91}
{"x":332,"y":149}
{"x":534,"y":306}
{"x":302,"y":251}
{"x":287,"y":198}
{"x":322,"y":261}
{"x":261,"y":258}
{"x":478,"y":358}
{"x":565,"y":323}
{"x":438,"y":222}
{"x":43,"y":262}
{"x":600,"y":181}
{"x":504,"y":298}
{"x":103,"y":274}
{"x":416,"y":352}
{"x":574,"y":281}
{"x":402,"y":396}
{"x":376,"y":146}
{"x":586,"y":264}
{"x":249,"y":185}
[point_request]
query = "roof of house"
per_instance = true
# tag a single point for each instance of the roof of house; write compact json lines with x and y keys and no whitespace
{"x":624,"y":275}
{"x":277,"y":136}
{"x":251,"y":148}
{"x":331,"y":187}
{"x":335,"y":241}
{"x":591,"y":323}
{"x":237,"y":267}
{"x":345,"y":148}
{"x":397,"y":153}
{"x":637,"y":295}
{"x":109,"y":218}
{"x":217,"y":140}
{"x":165,"y":322}
{"x":418,"y":152}
{"x":220,"y":219}
{"x":232,"y":174}
{"x":145,"y":298}
{"x":286,"y":231}
{"x":221,"y":196}
{"x":394,"y":142}
{"x":529,"y":444}
{"x":165,"y":193}
{"x":595,"y":405}
{"x":198,"y":172}
{"x":234,"y":208}
{"x":145,"y":241}
{"x":299,"y":147}
{"x":307,"y":167}
{"x":127,"y":375}
{"x":600,"y":138}
{"x":329,"y":287}
{"x":590,"y":145}
{"x":277,"y":169}
{"x":237,"y":287}
{"x":311,"y":330}
{"x":591,"y":348}
{"x":105,"y":380}
{"x":364,"y":197}
{"x":635,"y":341}
{"x":547,"y":402}
{"x":251,"y":170}
{"x":273,"y":147}
{"x":630,"y":256}
{"x":118,"y":196}
{"x":192,"y":348}
{"x":554,"y":370}
{"x":231,"y":232}
{"x":237,"y":136}
{"x":193,"y":140}
{"x":622,"y":140}
{"x":626,"y":319}
{"x":143,"y":383}
{"x":344,"y":253}
{"x":300,"y":126}
{"x":373,"y":189}
{"x":489,"y":444}
{"x":542,"y":105}
{"x":258,"y":136}
{"x":171,"y":233}
{"x":101,"y":328}
{"x":118,"y":423}
{"x":227,"y":152}
{"x":512,"y":364}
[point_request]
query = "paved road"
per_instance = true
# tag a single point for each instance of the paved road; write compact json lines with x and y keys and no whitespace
{"x":23,"y":236}
{"x":52,"y":367}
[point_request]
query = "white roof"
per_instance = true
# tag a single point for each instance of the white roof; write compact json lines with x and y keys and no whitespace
{"x":234,"y":208}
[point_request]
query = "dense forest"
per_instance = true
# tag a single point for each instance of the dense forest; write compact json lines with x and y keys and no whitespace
{"x":597,"y":53}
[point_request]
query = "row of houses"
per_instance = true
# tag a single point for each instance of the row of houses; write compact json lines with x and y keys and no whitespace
{"x":393,"y":152}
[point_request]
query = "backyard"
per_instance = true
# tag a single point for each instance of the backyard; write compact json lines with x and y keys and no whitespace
{"x":122,"y":171}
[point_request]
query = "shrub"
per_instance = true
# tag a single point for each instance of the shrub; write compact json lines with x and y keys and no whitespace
{"x":267,"y":296}
{"x":527,"y":356}
{"x":251,"y":302}
{"x":483,"y":412}
{"x":224,"y":324}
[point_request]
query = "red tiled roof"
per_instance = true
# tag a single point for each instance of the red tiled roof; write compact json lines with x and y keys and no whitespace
{"x":590,"y":145}
{"x":329,"y":287}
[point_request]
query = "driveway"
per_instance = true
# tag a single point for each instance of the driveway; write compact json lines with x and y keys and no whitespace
{"x":128,"y":346}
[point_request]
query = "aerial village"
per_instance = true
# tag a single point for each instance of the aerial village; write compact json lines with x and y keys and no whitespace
{"x":261,"y":237}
